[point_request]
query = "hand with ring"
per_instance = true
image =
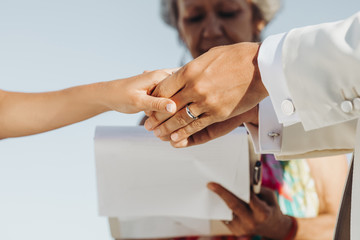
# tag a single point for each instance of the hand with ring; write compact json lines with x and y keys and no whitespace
{"x":213,"y":88}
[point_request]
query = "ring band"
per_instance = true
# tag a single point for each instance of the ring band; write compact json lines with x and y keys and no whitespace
{"x":190,"y":114}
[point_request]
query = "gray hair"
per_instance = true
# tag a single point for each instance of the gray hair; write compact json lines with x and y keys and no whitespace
{"x":267,"y":8}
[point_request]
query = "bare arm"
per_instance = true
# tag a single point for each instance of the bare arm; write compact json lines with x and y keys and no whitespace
{"x":329,"y":174}
{"x":30,"y":113}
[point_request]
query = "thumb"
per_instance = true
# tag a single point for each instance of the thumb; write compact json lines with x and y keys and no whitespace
{"x":158,"y":104}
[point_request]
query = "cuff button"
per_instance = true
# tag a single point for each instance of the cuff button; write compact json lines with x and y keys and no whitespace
{"x":356,"y":103}
{"x":287,"y":107}
{"x":346,"y":106}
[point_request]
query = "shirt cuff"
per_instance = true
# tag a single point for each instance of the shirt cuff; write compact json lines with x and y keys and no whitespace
{"x":268,"y":136}
{"x":273,"y":78}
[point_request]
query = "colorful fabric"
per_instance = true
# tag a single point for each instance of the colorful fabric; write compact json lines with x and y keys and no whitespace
{"x":293,"y":184}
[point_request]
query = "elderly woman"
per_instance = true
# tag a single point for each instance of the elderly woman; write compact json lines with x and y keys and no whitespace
{"x":299,"y":198}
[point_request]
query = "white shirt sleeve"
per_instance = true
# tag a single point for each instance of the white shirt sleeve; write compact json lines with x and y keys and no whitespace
{"x":273,"y":78}
{"x":267,"y":137}
{"x":276,"y":110}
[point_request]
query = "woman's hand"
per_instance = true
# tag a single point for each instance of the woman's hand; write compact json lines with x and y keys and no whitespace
{"x":132,"y":95}
{"x":261,"y":217}
{"x":29,"y":113}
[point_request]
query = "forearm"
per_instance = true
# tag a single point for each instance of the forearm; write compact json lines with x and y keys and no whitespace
{"x":30,"y":113}
{"x":320,"y":227}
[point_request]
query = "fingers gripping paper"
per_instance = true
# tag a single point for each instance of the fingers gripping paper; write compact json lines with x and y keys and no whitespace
{"x":140,"y":176}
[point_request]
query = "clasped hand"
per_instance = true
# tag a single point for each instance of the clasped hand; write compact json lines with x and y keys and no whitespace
{"x":221,"y":89}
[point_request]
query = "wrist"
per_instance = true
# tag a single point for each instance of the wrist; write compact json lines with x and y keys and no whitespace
{"x":101,"y":95}
{"x":260,"y":87}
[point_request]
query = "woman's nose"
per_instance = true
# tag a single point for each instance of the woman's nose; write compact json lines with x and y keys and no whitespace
{"x":212,"y":27}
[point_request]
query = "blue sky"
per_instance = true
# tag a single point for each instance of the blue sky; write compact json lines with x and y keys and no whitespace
{"x":47,"y":181}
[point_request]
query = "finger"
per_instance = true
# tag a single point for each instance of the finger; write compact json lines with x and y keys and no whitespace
{"x":169,"y":86}
{"x":211,"y":132}
{"x":263,"y":203}
{"x":200,"y":137}
{"x":150,"y":103}
{"x":155,"y":78}
{"x":148,"y":113}
{"x":260,"y":209}
{"x":190,"y":129}
{"x":180,"y":99}
{"x":239,"y":207}
{"x":215,"y":130}
{"x":179,"y":120}
{"x":268,"y":196}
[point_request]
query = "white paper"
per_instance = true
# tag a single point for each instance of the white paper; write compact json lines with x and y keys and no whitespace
{"x":140,"y":176}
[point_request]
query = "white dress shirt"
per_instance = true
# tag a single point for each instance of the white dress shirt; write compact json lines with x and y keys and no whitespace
{"x":312,"y":75}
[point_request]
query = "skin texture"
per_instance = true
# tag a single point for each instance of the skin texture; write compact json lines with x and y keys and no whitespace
{"x":30,"y":113}
{"x":216,"y":85}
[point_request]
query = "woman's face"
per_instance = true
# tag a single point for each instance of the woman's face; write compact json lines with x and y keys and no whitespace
{"x":203,"y":24}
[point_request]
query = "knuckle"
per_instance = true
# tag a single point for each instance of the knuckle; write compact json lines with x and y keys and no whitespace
{"x":180,"y":119}
{"x":197,"y":124}
{"x":164,"y":129}
{"x":159,"y":74}
{"x":156,"y":104}
{"x":210,"y":100}
{"x":200,"y":90}
{"x":190,"y":70}
{"x":183,"y":132}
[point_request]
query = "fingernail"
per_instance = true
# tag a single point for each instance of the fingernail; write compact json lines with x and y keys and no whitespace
{"x":174,"y":137}
{"x":170,"y":107}
{"x":147,"y":125}
{"x":157,"y":132}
